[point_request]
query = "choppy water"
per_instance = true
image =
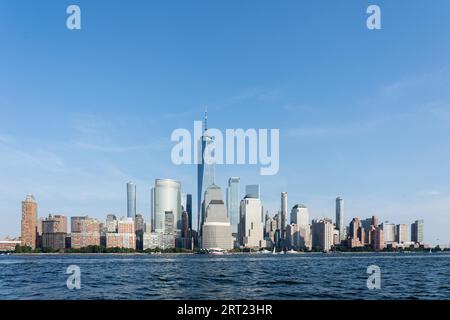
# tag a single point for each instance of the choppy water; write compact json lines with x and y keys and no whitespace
{"x":240,"y":276}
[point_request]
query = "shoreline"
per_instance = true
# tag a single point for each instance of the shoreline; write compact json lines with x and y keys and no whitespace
{"x":227,"y":254}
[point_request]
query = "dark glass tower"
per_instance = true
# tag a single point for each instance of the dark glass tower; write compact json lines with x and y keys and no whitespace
{"x":205,"y":171}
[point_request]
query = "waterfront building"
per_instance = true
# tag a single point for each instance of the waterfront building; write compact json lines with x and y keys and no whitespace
{"x":322,"y":234}
{"x":340,"y":222}
{"x":186,"y":241}
{"x":233,"y":205}
{"x":378,"y":243}
{"x":85,"y":232}
{"x":125,"y":237}
{"x":54,"y":232}
{"x":369,"y":225}
{"x":356,"y":236}
{"x":152,"y":240}
{"x":39,"y":223}
{"x":186,"y":205}
{"x":403,"y":234}
{"x":417,"y":232}
{"x":388,"y":232}
{"x":269,"y":229}
{"x":216,"y":230}
{"x":131,"y":200}
{"x":298,"y":237}
{"x":111,"y":223}
{"x":251,"y":233}
{"x":9,"y":244}
{"x":300,"y":215}
{"x":28,"y":222}
{"x":166,"y":197}
{"x":169,"y":230}
{"x":283,"y":215}
{"x":139,"y":227}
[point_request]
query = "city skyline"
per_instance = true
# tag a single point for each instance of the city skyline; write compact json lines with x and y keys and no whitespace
{"x":176,"y":232}
{"x":363,"y":115}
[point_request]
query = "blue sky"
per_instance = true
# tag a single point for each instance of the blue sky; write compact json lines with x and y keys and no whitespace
{"x":362,"y":114}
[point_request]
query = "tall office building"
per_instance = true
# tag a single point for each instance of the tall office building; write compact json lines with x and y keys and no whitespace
{"x":216,"y":228}
{"x":283,"y":214}
{"x":378,"y":242}
{"x":205,"y":170}
{"x":322,"y":234}
{"x":54,"y":232}
{"x":111,"y":223}
{"x":28,"y":223}
{"x":131,"y":200}
{"x":298,"y":236}
{"x":139,"y":228}
{"x":403,"y":233}
{"x":85,"y":232}
{"x":356,"y":234}
{"x":417,"y":231}
{"x":233,"y":203}
{"x":389,"y":232}
{"x":166,"y":196}
{"x":125,"y":237}
{"x":251,"y":228}
{"x":300,"y":215}
{"x":340,"y":223}
{"x":186,"y":204}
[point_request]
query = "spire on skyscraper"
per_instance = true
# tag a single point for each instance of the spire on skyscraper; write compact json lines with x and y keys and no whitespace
{"x":206,"y":118}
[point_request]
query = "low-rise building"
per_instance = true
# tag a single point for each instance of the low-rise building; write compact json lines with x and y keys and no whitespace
{"x":9,"y":244}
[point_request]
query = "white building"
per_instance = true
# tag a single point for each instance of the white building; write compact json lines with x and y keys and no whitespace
{"x":389,"y":232}
{"x":300,"y":215}
{"x":153,"y":240}
{"x":403,"y":233}
{"x":298,"y":237}
{"x":166,"y":196}
{"x":340,"y":223}
{"x":216,"y":227}
{"x":251,"y":225}
{"x":322,"y":234}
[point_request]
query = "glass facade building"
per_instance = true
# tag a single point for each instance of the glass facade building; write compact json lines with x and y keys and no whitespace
{"x":166,"y":196}
{"x":131,"y":200}
{"x":233,"y":202}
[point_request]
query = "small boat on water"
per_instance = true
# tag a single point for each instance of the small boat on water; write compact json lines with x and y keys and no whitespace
{"x":275,"y":251}
{"x":292,"y":251}
{"x":264,"y":251}
{"x":216,"y":251}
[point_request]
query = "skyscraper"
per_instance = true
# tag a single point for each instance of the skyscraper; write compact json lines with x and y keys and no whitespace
{"x":403,"y":233}
{"x":205,"y":170}
{"x":54,"y":232}
{"x":300,"y":215}
{"x":233,"y":203}
{"x":356,"y":234}
{"x":186,"y":203}
{"x":322,"y":234}
{"x":389,"y":232}
{"x":251,"y":225}
{"x":166,"y":196}
{"x":340,"y":223}
{"x":216,"y":228}
{"x":131,"y":200}
{"x":283,"y":214}
{"x":417,"y":231}
{"x":28,"y":224}
{"x":85,"y":232}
